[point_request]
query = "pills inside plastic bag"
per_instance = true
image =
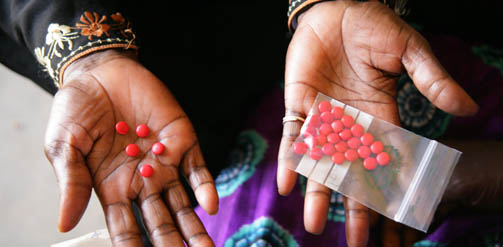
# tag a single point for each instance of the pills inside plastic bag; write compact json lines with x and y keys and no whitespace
{"x":346,"y":137}
{"x":388,"y":169}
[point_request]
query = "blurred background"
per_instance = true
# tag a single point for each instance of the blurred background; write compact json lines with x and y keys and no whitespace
{"x":28,"y":189}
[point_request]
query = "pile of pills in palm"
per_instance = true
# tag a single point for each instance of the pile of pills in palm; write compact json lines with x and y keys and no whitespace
{"x":334,"y":134}
{"x":132,"y":150}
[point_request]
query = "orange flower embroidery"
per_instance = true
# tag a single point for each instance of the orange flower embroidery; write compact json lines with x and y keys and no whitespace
{"x":117,"y":17}
{"x":93,"y":25}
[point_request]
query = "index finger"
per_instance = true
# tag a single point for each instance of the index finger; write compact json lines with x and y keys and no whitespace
{"x":286,"y":178}
{"x":298,"y":100}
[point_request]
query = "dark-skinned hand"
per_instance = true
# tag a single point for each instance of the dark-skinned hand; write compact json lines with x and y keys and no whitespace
{"x":85,"y":151}
{"x":354,"y":52}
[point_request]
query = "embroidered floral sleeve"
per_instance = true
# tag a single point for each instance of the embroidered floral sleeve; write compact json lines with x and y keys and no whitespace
{"x":65,"y":44}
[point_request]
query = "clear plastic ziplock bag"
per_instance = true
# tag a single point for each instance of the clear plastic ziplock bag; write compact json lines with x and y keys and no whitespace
{"x":388,"y":169}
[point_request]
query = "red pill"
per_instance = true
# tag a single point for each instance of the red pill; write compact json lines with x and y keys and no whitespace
{"x":321,"y":140}
{"x":337,"y":112}
{"x":348,"y":121}
{"x":351,"y":155}
{"x":363,"y":152}
{"x":341,"y":147}
{"x":316,"y":154}
{"x":300,"y":148}
{"x":142,"y":130}
{"x":333,"y":138}
{"x":337,"y":126}
{"x":328,"y":149}
{"x":357,"y":130}
{"x":314,"y":121}
{"x":146,"y":170}
{"x":377,"y":147}
{"x":132,"y":150}
{"x":383,"y":158}
{"x":310,"y":141}
{"x":325,"y":106}
{"x":338,"y":158}
{"x":354,"y":143}
{"x":325,"y":129}
{"x":370,"y":163}
{"x":345,"y":134}
{"x":367,"y":139}
{"x":309,"y":131}
{"x":327,"y":117}
{"x":122,"y":128}
{"x":157,"y":148}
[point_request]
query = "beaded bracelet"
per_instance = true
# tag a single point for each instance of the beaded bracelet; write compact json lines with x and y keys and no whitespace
{"x":296,"y":8}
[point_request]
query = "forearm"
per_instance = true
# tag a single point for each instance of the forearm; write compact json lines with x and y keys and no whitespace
{"x":477,"y":180}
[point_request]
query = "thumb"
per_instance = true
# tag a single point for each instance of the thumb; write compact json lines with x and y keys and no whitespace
{"x":433,"y":81}
{"x":74,"y":182}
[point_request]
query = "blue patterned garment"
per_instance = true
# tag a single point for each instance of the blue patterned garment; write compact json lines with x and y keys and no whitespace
{"x":263,"y":232}
{"x":417,"y":113}
{"x":244,"y":158}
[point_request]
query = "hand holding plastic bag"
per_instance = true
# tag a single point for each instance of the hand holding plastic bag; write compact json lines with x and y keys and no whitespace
{"x":353,"y":52}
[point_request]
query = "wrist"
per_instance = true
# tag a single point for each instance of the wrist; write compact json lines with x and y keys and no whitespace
{"x":296,"y":8}
{"x":94,"y":60}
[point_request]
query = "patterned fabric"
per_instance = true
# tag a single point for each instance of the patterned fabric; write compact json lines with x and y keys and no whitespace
{"x":263,"y":232}
{"x":65,"y":44}
{"x":493,"y":239}
{"x":417,"y":113}
{"x":428,"y":243}
{"x":490,"y":55}
{"x":243,"y":161}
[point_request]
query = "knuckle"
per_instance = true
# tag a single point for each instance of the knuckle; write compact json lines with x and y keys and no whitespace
{"x":323,"y":193}
{"x":164,"y":229}
{"x":198,"y":176}
{"x":435,"y":88}
{"x":125,"y":237}
{"x":57,"y":148}
{"x":82,"y":184}
{"x":183,"y":211}
{"x":64,"y":150}
{"x":357,"y":213}
{"x":200,"y":239}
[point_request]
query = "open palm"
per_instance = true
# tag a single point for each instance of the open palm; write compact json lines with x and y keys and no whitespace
{"x":354,"y":52}
{"x":87,"y":153}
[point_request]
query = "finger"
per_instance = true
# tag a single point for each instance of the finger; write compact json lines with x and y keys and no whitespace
{"x":187,"y":221}
{"x":390,"y":234}
{"x":121,"y":224}
{"x":298,"y":101}
{"x":74,"y":182}
{"x":316,"y":206}
{"x":433,"y":81}
{"x":161,"y":227}
{"x":200,"y":179}
{"x":357,"y":223}
{"x":287,"y":178}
